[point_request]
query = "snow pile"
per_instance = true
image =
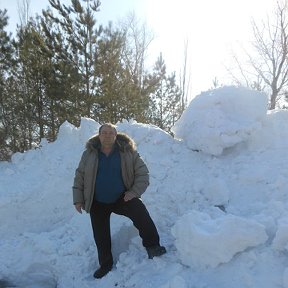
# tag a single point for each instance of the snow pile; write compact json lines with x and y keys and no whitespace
{"x":218,"y":198}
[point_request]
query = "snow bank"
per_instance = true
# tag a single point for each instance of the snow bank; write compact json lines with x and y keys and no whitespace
{"x":242,"y":244}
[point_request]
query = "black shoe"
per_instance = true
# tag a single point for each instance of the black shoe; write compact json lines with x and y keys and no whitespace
{"x":102,"y":271}
{"x":155,"y":251}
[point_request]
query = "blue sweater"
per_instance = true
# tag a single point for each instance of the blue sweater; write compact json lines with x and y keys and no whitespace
{"x":109,"y":185}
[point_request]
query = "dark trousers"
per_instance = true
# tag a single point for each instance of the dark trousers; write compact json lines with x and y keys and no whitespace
{"x":133,"y":209}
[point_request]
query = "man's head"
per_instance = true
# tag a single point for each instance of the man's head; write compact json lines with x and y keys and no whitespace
{"x":107,"y":135}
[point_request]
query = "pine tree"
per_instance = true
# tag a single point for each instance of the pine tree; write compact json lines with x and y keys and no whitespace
{"x":6,"y":65}
{"x":165,"y":101}
{"x":77,"y":25}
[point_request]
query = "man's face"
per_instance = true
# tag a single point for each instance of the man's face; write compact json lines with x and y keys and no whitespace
{"x":107,"y":136}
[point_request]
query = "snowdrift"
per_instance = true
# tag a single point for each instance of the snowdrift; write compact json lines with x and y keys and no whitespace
{"x":218,"y":195}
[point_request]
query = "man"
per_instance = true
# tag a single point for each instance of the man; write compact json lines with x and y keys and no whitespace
{"x":110,"y":178}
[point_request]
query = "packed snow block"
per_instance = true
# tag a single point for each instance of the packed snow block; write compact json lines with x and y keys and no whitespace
{"x":205,"y":242}
{"x":221,"y":118}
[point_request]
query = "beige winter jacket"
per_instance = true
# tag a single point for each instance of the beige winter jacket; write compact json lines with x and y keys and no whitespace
{"x":134,"y":171}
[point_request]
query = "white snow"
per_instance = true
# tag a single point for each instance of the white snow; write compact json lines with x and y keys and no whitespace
{"x":218,"y":196}
{"x":196,"y":232}
{"x":221,"y":118}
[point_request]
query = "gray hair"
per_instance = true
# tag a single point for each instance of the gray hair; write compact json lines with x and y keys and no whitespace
{"x":107,"y":125}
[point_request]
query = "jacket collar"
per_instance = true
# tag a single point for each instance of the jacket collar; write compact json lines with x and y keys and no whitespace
{"x":123,"y":141}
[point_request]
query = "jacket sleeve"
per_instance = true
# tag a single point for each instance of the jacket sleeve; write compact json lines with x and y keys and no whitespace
{"x":141,"y":176}
{"x":78,"y":186}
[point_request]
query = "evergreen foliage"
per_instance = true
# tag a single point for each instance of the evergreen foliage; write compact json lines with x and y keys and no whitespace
{"x":62,"y":66}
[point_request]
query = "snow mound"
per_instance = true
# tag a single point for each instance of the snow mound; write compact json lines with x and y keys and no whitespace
{"x":211,"y":121}
{"x":202,"y":241}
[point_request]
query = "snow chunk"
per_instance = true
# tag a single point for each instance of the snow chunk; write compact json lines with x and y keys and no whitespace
{"x":221,"y":118}
{"x":67,"y":131}
{"x":274,"y":134}
{"x":203,"y":241}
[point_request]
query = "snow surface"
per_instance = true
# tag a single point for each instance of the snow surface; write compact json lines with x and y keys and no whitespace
{"x":218,"y":196}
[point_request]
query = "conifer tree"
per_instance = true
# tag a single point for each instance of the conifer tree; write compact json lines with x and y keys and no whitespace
{"x":165,"y":101}
{"x":77,"y":25}
{"x":6,"y":64}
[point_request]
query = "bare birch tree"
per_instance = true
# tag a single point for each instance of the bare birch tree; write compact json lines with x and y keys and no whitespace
{"x":267,"y":68}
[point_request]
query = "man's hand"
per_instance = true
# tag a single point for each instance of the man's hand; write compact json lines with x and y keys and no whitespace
{"x":79,"y":207}
{"x":128,"y":196}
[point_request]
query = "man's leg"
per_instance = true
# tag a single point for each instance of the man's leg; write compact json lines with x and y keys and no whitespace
{"x":100,"y":220}
{"x":137,"y":212}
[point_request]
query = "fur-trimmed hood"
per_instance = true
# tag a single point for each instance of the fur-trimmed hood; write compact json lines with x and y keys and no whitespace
{"x":124,"y":142}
